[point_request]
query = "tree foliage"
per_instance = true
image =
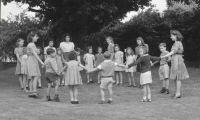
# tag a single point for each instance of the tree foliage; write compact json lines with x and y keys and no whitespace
{"x":80,"y":17}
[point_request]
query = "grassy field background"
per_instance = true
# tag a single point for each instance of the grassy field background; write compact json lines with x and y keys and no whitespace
{"x":15,"y":105}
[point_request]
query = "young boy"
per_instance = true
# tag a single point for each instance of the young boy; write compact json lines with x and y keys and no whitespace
{"x":164,"y":69}
{"x":52,"y":74}
{"x":107,"y":67}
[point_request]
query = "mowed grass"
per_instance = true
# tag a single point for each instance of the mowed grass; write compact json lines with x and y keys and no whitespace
{"x":15,"y":105}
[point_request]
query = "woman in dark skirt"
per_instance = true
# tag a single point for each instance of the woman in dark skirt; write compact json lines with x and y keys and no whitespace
{"x":66,"y":47}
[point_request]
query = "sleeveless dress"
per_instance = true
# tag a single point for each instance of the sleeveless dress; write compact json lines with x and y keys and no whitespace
{"x":32,"y":62}
{"x":130,"y":59}
{"x":178,"y":68}
{"x":89,"y":58}
{"x":72,"y":74}
{"x":19,"y":51}
{"x":118,"y":58}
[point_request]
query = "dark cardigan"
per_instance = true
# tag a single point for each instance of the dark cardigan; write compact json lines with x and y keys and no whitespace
{"x":145,"y":62}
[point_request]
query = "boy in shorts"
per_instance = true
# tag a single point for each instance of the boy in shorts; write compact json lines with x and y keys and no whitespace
{"x":107,"y":67}
{"x":164,"y":69}
{"x":52,"y":74}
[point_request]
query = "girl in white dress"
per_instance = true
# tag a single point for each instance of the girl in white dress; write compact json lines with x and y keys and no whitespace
{"x":89,"y":63}
{"x":130,"y":58}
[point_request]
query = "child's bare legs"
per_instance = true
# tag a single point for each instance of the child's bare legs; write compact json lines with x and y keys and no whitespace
{"x":39,"y":82}
{"x":148,"y":92}
{"x":102,"y":94}
{"x":120,"y":77}
{"x":71,"y":92}
{"x":24,"y":82}
{"x":21,"y":81}
{"x":117,"y":77}
{"x":35,"y":79}
{"x":144,"y":92}
{"x":167,"y":83}
{"x":132,"y":79}
{"x":178,"y":88}
{"x":129,"y":79}
{"x":57,"y":86}
{"x":99,"y":77}
{"x":110,"y":91}
{"x":48,"y":89}
{"x":88,"y":77}
{"x":75,"y":93}
{"x":31,"y":85}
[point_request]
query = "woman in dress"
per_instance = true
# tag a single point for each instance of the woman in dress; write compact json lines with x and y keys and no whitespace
{"x":32,"y":63}
{"x":178,"y":69}
{"x":66,"y":47}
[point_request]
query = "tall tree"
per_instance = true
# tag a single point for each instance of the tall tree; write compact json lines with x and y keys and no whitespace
{"x":80,"y":17}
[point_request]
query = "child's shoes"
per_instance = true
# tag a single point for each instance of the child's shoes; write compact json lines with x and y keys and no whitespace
{"x":102,"y":102}
{"x":48,"y":98}
{"x":167,"y":91}
{"x":56,"y":98}
{"x":163,"y":90}
{"x":109,"y":101}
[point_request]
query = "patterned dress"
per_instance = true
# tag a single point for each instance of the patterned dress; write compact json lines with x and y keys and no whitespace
{"x":19,"y":51}
{"x":89,"y":59}
{"x":178,"y":68}
{"x":32,"y":62}
{"x":118,"y":58}
{"x":24,"y":69}
{"x":72,"y":74}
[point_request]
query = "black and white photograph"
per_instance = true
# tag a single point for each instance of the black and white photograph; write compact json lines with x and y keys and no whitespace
{"x":100,"y":60}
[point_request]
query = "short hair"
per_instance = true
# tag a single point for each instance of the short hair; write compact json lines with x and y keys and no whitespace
{"x":145,"y":51}
{"x":31,"y":35}
{"x":111,"y":38}
{"x":50,"y":51}
{"x":178,"y":34}
{"x":64,"y":36}
{"x":162,"y":45}
{"x":107,"y":55}
{"x":88,"y":48}
{"x":18,"y":40}
{"x":116,"y":45}
{"x":72,"y":55}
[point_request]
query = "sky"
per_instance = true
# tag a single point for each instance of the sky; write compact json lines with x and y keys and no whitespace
{"x":14,"y":9}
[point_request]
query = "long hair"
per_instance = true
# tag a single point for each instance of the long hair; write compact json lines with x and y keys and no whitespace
{"x":178,"y":34}
{"x":30,"y":36}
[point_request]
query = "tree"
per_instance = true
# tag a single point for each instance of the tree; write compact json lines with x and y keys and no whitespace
{"x":80,"y":17}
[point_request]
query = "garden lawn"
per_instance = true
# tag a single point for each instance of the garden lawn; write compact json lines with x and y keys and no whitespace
{"x":15,"y":105}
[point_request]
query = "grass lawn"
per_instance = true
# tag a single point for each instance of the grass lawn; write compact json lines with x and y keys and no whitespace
{"x":15,"y":105}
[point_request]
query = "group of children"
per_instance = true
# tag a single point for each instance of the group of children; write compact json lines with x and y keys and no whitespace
{"x":110,"y":66}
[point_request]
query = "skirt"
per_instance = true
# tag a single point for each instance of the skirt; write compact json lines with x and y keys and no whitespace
{"x":178,"y":68}
{"x":33,"y":67}
{"x":145,"y":78}
{"x":24,"y":69}
{"x":18,"y":70}
{"x":72,"y":77}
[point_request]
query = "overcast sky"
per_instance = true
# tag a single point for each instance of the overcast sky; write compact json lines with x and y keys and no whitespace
{"x":14,"y":9}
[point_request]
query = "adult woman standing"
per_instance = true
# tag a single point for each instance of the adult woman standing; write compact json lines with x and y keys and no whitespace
{"x":32,"y":63}
{"x":66,"y":47}
{"x":141,"y":43}
{"x":178,"y":69}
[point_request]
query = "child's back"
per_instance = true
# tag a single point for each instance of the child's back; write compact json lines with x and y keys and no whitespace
{"x":108,"y":68}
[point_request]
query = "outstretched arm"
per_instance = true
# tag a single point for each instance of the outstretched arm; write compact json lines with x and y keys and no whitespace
{"x":168,"y":55}
{"x":135,"y":63}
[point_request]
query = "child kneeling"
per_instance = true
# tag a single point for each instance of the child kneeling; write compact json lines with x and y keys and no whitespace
{"x":52,"y":74}
{"x":107,"y":67}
